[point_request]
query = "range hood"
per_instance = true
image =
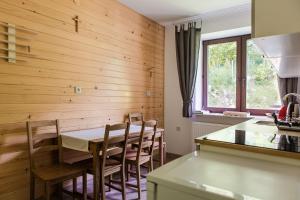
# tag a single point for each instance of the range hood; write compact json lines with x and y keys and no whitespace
{"x":283,"y":51}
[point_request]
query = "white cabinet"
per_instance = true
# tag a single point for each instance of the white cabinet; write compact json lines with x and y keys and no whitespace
{"x":206,"y":175}
{"x":275,"y":17}
{"x":151,"y":191}
{"x":165,"y":193}
{"x":276,"y":31}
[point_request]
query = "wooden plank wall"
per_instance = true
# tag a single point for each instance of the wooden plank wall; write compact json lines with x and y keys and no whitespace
{"x":110,"y":58}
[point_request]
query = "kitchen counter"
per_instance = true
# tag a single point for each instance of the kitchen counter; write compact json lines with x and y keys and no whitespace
{"x":205,"y":175}
{"x":255,"y":136}
{"x":257,"y":161}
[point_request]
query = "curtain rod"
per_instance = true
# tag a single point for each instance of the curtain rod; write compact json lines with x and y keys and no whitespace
{"x":221,"y":12}
{"x":196,"y":18}
{"x":190,"y":21}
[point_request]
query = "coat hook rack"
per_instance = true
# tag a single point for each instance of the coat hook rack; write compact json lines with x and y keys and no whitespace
{"x":11,"y":37}
{"x":151,"y":71}
{"x":13,"y":47}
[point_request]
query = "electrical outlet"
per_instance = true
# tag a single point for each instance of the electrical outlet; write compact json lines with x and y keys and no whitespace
{"x":77,"y":90}
{"x":148,"y":93}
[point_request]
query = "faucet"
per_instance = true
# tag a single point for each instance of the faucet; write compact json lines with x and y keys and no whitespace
{"x":291,"y":94}
{"x":291,"y":106}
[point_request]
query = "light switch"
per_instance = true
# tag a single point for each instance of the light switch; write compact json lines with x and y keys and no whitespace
{"x":77,"y":90}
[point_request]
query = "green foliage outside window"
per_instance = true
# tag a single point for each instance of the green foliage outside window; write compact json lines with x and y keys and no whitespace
{"x":262,"y":89}
{"x":222,"y":75}
{"x":262,"y":86}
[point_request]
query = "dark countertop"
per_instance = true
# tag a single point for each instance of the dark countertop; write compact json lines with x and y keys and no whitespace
{"x":253,"y":135}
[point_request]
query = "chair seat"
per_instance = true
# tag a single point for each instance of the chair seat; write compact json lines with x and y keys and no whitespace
{"x":78,"y":159}
{"x":156,"y":144}
{"x":111,"y":166}
{"x":57,"y":172}
{"x":113,"y":151}
{"x":131,"y":157}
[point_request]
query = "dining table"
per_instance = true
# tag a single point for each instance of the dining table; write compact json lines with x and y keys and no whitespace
{"x":91,"y":140}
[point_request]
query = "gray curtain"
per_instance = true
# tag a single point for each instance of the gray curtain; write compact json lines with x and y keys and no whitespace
{"x":187,"y":52}
{"x":288,"y":85}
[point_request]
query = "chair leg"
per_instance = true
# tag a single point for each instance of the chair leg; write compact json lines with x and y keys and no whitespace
{"x":102,"y":187}
{"x":74,"y":188}
{"x":32,"y":186}
{"x":138,"y":179}
{"x":109,"y":182}
{"x":123,"y":186}
{"x":60,"y":191}
{"x":84,"y":186}
{"x":151,"y":164}
{"x":130,"y":169}
{"x":165,"y":154}
{"x":47,"y":191}
{"x":127,"y":172}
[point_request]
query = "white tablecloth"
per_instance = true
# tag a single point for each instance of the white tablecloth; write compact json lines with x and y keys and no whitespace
{"x":79,"y":140}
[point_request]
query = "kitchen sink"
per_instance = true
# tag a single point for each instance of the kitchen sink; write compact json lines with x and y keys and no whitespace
{"x":267,"y":123}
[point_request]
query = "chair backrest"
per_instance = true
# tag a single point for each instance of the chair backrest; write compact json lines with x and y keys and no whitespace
{"x":115,"y":145}
{"x":136,"y":118}
{"x":144,"y":141}
{"x":43,"y":137}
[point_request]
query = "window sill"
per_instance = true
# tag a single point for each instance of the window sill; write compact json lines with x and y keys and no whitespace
{"x":219,"y":118}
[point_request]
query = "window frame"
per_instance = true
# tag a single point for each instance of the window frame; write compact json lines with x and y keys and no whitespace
{"x":241,"y":76}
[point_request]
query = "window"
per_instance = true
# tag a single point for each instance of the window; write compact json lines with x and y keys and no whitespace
{"x":261,"y":79}
{"x":236,"y":77}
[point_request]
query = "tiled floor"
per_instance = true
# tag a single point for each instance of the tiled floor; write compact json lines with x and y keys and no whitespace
{"x":116,"y":195}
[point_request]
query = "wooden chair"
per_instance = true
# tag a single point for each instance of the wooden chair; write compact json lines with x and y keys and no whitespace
{"x":112,"y":157}
{"x":46,"y":142}
{"x":139,"y":157}
{"x":137,"y":118}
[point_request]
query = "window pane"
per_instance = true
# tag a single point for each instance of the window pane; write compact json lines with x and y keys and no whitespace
{"x":262,"y":86}
{"x":221,"y":75}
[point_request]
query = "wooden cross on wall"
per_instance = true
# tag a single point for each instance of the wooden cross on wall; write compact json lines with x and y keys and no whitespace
{"x":76,"y":19}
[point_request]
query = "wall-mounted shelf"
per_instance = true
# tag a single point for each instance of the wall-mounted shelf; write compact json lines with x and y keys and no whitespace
{"x":14,"y":43}
{"x":5,"y":50}
{"x":17,"y":52}
{"x":11,"y":40}
{"x":19,"y":28}
{"x":19,"y":37}
{"x":11,"y":59}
